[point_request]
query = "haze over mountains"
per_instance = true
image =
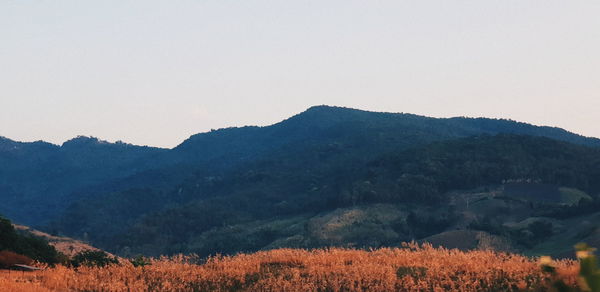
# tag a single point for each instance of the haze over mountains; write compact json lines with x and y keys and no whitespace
{"x":329,"y":176}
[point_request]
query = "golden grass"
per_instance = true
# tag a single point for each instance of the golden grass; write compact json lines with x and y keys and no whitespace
{"x":412,"y":268}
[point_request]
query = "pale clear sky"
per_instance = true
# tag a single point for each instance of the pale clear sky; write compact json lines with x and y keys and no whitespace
{"x":154,"y":72}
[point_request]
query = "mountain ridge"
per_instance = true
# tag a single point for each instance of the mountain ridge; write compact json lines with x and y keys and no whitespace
{"x":314,"y":161}
{"x":267,"y":204}
{"x":316,"y":110}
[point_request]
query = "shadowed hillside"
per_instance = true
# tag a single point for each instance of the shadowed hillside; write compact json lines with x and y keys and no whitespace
{"x":270,"y":185}
{"x":37,"y":180}
{"x":304,"y":200}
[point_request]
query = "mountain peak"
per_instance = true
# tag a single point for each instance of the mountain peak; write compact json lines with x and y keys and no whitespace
{"x":325,"y":112}
{"x":329,"y":109}
{"x":324,"y":107}
{"x":83,"y":141}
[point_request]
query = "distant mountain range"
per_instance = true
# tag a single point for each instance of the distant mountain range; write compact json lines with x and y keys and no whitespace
{"x":329,"y":176}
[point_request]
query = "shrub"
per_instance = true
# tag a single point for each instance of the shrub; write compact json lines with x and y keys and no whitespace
{"x":588,"y":268}
{"x":589,"y":273}
{"x":93,"y":258}
{"x":140,"y":261}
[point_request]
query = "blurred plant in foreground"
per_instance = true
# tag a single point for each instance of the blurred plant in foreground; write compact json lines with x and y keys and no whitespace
{"x":589,"y":273}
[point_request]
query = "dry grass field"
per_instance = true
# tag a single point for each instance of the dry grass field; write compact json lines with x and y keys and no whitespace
{"x":413,"y":268}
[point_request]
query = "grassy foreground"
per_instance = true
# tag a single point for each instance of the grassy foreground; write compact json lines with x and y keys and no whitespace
{"x":413,"y":268}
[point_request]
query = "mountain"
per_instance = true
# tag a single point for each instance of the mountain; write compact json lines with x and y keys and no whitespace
{"x":280,"y":185}
{"x":496,"y":184}
{"x":311,"y":164}
{"x":356,"y":128}
{"x":38,"y":179}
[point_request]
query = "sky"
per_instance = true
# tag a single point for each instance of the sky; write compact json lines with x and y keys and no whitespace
{"x":155,"y":72}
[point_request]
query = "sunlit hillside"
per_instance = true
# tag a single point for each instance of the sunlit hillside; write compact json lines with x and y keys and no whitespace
{"x":65,"y":245}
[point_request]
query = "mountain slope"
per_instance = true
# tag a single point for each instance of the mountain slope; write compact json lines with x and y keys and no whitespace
{"x":311,"y":161}
{"x":355,"y":128}
{"x":67,"y":246}
{"x":36,"y":179}
{"x":278,"y":201}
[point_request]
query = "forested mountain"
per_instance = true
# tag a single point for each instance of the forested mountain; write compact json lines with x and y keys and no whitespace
{"x":249,"y":188}
{"x":279,"y":202}
{"x":37,"y":180}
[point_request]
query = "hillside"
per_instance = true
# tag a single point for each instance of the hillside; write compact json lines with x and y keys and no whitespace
{"x":483,"y":183}
{"x":18,"y":248}
{"x":251,"y":188}
{"x":67,"y":246}
{"x":38,"y":179}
